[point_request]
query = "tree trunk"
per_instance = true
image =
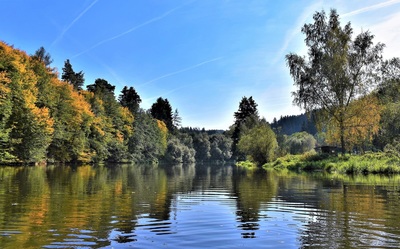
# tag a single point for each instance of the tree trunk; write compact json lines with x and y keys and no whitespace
{"x":342,"y":138}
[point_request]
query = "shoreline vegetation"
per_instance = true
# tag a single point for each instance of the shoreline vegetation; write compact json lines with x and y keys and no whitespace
{"x":368,"y":163}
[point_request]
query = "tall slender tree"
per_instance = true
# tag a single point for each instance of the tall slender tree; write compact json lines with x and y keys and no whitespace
{"x":176,"y":119}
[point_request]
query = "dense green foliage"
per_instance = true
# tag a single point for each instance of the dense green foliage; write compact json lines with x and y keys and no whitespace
{"x":295,"y":123}
{"x":259,"y":144}
{"x":162,"y":110}
{"x":130,"y":99}
{"x":215,"y":147}
{"x":69,"y":75}
{"x":178,"y":152}
{"x":245,"y":118}
{"x":373,"y":163}
{"x":300,"y":142}
{"x":389,"y":95}
{"x":148,"y":142}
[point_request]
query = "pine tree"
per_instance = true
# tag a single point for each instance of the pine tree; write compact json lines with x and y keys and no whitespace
{"x":245,"y":118}
{"x":43,"y":56}
{"x":69,"y":75}
{"x":162,"y":110}
{"x":130,"y":98}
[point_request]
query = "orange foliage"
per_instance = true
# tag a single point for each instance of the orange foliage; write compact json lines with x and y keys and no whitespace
{"x":4,"y":88}
{"x":164,"y":133}
{"x":42,"y":118}
{"x":361,"y":122}
{"x":127,"y":118}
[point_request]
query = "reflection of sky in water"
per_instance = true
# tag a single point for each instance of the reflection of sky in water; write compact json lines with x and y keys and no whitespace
{"x":211,"y":218}
{"x":200,"y":219}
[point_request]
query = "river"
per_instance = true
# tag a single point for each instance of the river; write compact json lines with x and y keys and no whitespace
{"x":130,"y":206}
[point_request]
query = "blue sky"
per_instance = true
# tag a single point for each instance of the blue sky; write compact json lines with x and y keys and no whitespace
{"x":203,"y":56}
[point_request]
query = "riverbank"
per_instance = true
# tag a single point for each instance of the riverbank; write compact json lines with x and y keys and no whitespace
{"x":369,"y":163}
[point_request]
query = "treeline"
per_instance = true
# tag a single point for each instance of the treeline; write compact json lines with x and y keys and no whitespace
{"x":44,"y":119}
{"x":295,"y":123}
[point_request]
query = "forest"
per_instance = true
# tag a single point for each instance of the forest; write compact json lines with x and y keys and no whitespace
{"x":350,"y":93}
{"x":46,"y":118}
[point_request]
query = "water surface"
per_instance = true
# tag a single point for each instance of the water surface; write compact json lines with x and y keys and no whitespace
{"x":130,"y":206}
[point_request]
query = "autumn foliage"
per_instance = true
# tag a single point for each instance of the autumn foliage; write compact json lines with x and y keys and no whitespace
{"x":361,"y":125}
{"x":45,"y":119}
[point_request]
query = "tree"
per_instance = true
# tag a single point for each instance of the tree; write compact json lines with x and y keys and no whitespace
{"x":101,"y":87}
{"x":176,"y":119}
{"x":130,"y":98}
{"x":300,"y":142}
{"x":149,"y":140}
{"x":162,"y":110}
{"x":338,"y":71}
{"x":221,"y":146}
{"x":389,"y":97}
{"x":202,"y":146}
{"x":361,"y":124}
{"x":259,"y":144}
{"x":112,"y":126}
{"x":245,"y":118}
{"x":179,"y":153}
{"x":6,"y":111}
{"x":72,"y":120}
{"x":69,"y":75}
{"x":43,"y":56}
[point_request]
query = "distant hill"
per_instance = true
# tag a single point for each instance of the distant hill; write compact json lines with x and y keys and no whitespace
{"x":196,"y":130}
{"x":294,"y":123}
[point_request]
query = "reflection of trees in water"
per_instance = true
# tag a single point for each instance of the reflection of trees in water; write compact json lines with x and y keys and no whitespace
{"x":179,"y":178}
{"x":252,"y":189}
{"x":69,"y":200}
{"x":343,"y":213}
{"x":59,"y":203}
{"x":213,"y":177}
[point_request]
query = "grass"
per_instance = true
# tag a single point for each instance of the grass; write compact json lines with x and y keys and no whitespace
{"x":369,"y":163}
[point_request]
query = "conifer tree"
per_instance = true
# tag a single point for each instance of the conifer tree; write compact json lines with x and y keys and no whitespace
{"x":130,"y":98}
{"x":162,"y":110}
{"x":69,"y":75}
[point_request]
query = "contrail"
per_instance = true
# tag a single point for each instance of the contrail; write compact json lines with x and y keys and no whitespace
{"x":129,"y":31}
{"x":372,"y":7}
{"x":295,"y":30}
{"x":181,"y":71}
{"x":73,"y":22}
